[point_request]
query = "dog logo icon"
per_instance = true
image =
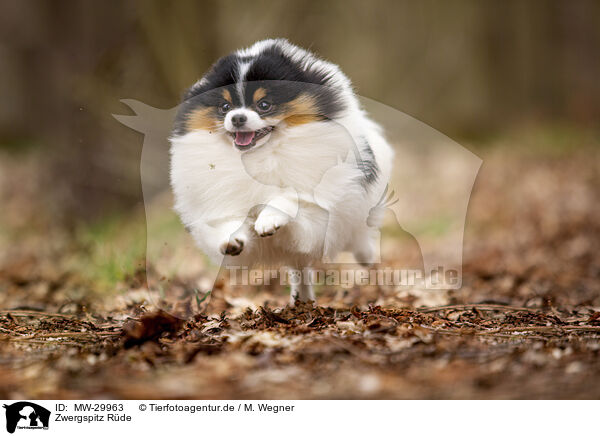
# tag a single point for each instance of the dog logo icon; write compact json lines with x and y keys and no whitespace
{"x":26,"y":415}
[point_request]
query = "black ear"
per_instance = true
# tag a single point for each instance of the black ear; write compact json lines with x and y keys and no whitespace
{"x":5,"y":406}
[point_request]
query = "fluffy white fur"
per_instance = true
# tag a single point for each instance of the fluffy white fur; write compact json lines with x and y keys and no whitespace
{"x":296,"y":197}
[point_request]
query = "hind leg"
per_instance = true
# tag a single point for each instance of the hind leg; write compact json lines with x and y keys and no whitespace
{"x":300,"y":288}
{"x":365,"y":247}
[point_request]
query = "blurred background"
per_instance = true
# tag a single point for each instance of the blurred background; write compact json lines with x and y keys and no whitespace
{"x":474,"y":70}
{"x":515,"y":82}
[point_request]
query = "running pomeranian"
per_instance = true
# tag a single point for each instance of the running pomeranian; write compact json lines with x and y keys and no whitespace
{"x":273,"y":161}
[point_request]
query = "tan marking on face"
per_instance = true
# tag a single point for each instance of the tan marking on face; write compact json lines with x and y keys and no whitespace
{"x":227,"y":95}
{"x":302,"y":110}
{"x":259,"y":94}
{"x":201,"y":119}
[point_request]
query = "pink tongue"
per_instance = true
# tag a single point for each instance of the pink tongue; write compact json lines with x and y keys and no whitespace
{"x":244,"y":138}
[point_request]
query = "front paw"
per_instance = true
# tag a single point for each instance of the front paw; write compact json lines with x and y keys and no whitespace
{"x":268,"y":222}
{"x":232,"y":247}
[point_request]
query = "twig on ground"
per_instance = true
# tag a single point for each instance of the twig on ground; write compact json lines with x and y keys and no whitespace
{"x":25,"y":313}
{"x":479,"y":307}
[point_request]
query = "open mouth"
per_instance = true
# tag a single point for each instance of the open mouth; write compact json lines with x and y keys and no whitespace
{"x":245,"y":140}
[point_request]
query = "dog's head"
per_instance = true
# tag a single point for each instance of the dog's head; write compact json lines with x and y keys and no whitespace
{"x":268,"y":89}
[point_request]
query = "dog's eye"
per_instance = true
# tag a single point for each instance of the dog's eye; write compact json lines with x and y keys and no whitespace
{"x":224,"y":108}
{"x":263,"y":105}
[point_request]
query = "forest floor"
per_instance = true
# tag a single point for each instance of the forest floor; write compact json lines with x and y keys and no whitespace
{"x":525,"y":324}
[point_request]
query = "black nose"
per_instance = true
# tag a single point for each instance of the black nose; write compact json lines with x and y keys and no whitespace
{"x":239,"y":120}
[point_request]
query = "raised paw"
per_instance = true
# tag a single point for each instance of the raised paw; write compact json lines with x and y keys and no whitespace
{"x":232,"y":247}
{"x":268,"y":223}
